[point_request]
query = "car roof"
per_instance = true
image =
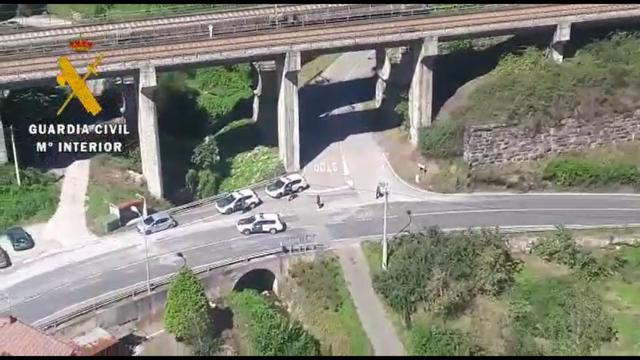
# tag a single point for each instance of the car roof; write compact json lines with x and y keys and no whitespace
{"x":160,"y":215}
{"x":267,"y":216}
{"x":244,"y":192}
{"x":291,"y":177}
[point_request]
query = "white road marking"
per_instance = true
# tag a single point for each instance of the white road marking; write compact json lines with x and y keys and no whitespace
{"x":482,"y":211}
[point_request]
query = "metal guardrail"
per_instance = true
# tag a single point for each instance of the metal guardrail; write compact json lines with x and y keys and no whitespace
{"x":132,"y":291}
{"x":96,"y":303}
{"x":213,"y":199}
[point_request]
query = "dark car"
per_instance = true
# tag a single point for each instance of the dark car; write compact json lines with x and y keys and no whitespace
{"x":5,"y":261}
{"x":20,"y":239}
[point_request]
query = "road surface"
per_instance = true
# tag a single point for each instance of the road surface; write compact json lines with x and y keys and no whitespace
{"x":39,"y":295}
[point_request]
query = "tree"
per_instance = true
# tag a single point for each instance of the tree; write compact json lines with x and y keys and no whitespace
{"x":444,"y":272}
{"x":186,"y":305}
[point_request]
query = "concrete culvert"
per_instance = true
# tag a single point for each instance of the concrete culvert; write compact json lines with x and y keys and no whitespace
{"x":257,"y":279}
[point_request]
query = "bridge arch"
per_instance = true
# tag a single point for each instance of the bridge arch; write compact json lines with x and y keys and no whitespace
{"x":257,"y":279}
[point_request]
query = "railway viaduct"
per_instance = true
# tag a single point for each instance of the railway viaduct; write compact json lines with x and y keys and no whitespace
{"x":419,"y":35}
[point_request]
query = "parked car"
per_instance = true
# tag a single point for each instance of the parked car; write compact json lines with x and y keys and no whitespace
{"x":5,"y":261}
{"x":20,"y":239}
{"x":243,"y":200}
{"x":286,"y":185}
{"x":261,"y":223}
{"x":156,"y":222}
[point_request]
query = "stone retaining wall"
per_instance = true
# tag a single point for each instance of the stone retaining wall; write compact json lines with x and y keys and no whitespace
{"x":500,"y":144}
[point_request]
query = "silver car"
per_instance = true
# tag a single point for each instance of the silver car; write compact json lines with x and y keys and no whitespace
{"x":156,"y":222}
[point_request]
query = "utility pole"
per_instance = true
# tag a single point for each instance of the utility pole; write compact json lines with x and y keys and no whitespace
{"x":143,"y":216}
{"x":15,"y":155}
{"x":385,"y":246}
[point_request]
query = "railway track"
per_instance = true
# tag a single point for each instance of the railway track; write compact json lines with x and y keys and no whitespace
{"x":48,"y":64}
{"x":235,"y":26}
{"x":125,"y":29}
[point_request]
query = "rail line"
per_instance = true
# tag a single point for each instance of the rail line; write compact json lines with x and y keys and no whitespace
{"x":319,"y":35}
{"x":230,"y":25}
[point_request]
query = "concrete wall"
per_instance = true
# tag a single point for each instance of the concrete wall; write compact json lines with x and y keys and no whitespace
{"x":500,"y":144}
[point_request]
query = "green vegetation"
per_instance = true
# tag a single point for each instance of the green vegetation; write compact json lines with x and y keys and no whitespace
{"x":578,"y":306}
{"x":437,"y":341}
{"x":322,"y":302}
{"x":442,"y":140}
{"x":252,"y":166}
{"x":35,"y":200}
{"x":186,"y":313}
{"x":453,"y":268}
{"x":560,"y":247}
{"x":213,"y":150}
{"x":528,"y":89}
{"x":109,"y":182}
{"x":115,"y":12}
{"x":532,"y":90}
{"x":267,"y":332}
{"x":564,"y":312}
{"x":571,"y":171}
{"x":221,"y":88}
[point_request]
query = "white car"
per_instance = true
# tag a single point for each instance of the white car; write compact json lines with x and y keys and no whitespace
{"x":243,"y":200}
{"x":261,"y":223}
{"x":286,"y":185}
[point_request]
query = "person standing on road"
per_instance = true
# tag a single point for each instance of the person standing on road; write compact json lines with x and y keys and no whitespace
{"x":319,"y":202}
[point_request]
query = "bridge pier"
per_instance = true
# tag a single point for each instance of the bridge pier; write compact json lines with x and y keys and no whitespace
{"x":561,"y":36}
{"x":421,"y":89}
{"x":265,"y":101}
{"x":383,"y":70}
{"x":148,"y":131}
{"x":287,"y":69}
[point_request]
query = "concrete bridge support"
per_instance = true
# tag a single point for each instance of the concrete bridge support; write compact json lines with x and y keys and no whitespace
{"x":287,"y":69}
{"x":3,"y":145}
{"x":148,"y":131}
{"x":421,"y":90}
{"x":560,"y":38}
{"x":383,"y":70}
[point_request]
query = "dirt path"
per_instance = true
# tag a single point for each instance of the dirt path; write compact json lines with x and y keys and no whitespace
{"x":372,"y":314}
{"x":68,"y":226}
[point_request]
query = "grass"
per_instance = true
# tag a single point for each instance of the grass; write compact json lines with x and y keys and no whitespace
{"x":35,"y":200}
{"x":315,"y":67}
{"x":110,"y":183}
{"x":313,"y":288}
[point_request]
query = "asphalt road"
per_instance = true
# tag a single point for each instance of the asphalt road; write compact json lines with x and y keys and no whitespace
{"x":41,"y":295}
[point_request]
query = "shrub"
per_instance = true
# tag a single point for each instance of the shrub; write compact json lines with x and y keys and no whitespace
{"x":568,"y":314}
{"x":442,"y":139}
{"x":437,"y":341}
{"x":186,"y":307}
{"x":252,"y":166}
{"x":560,"y":247}
{"x":571,"y":171}
{"x":268,"y":332}
{"x":532,"y":90}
